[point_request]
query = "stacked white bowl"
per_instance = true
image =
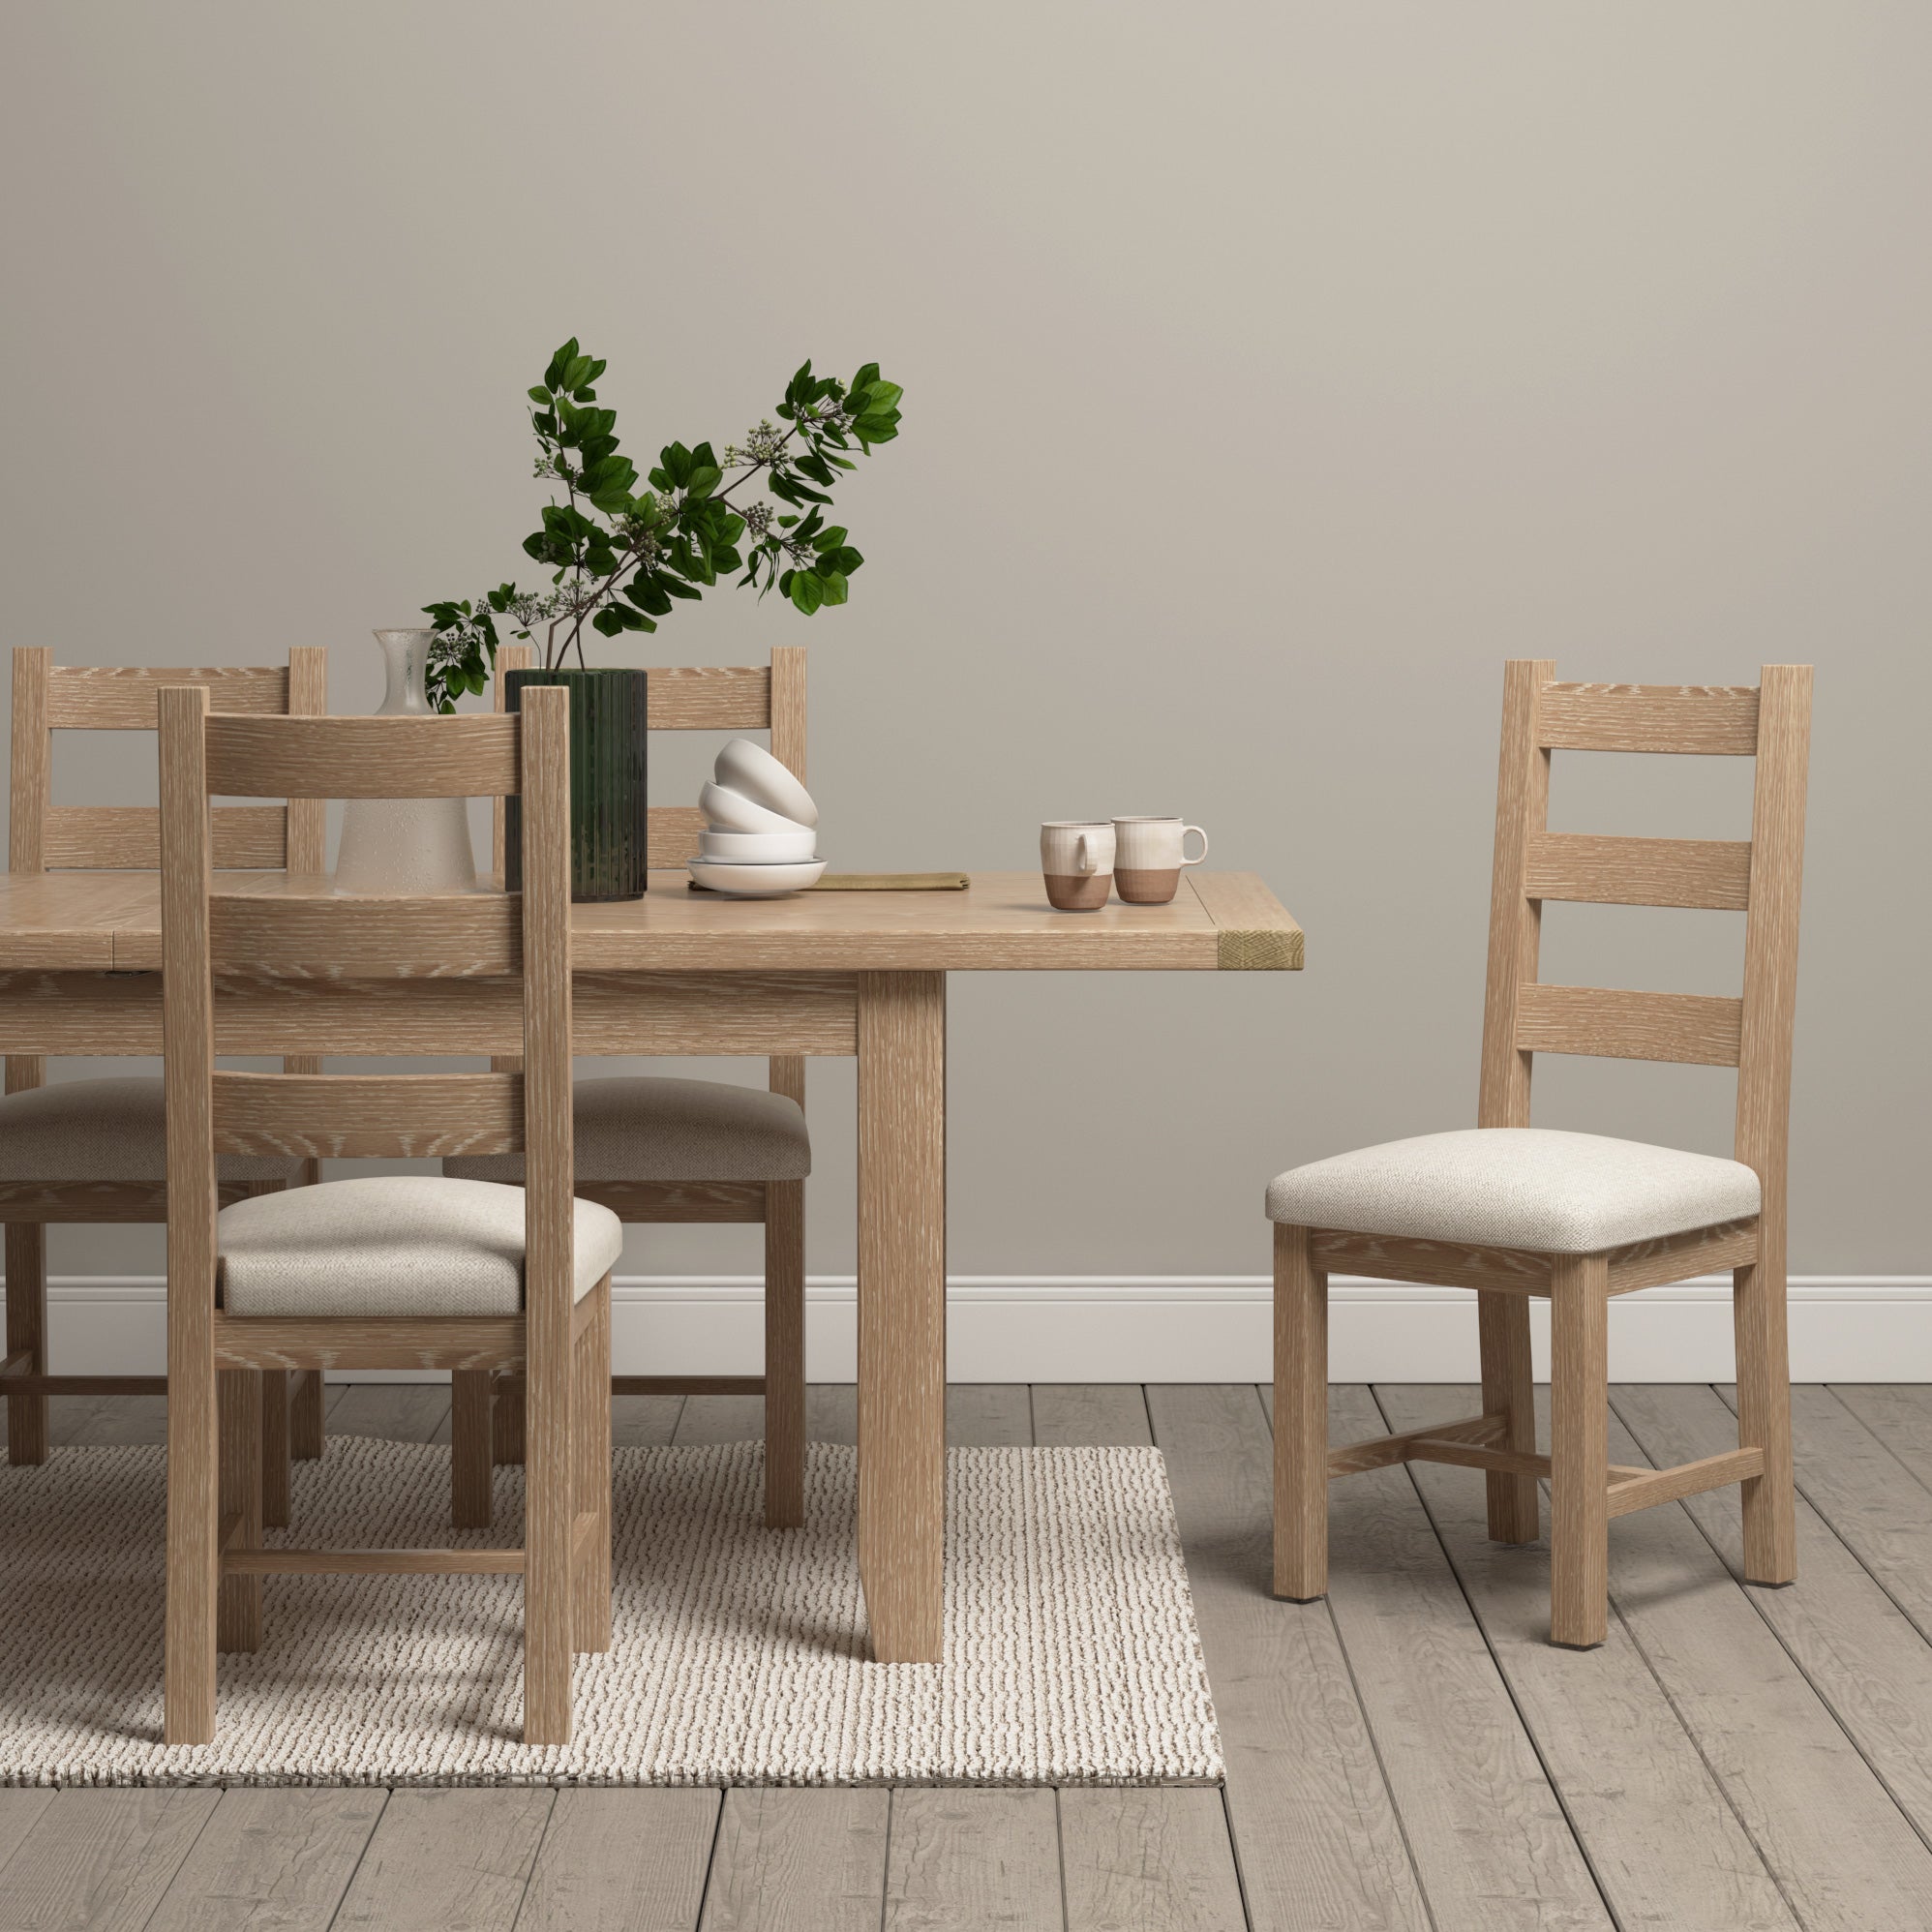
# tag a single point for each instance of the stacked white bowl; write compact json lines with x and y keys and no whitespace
{"x":759,"y":834}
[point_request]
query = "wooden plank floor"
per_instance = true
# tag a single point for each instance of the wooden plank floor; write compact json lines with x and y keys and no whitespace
{"x":1407,"y":1754}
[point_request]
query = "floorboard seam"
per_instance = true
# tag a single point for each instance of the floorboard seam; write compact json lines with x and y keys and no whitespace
{"x":1368,"y":1724}
{"x":536,"y":1859}
{"x":1913,"y":1475}
{"x":355,"y":1870}
{"x":1502,"y":1676}
{"x":1830,"y":1709}
{"x":1234,"y":1857}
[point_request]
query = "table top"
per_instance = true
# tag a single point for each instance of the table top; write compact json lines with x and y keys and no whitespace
{"x":88,"y":921}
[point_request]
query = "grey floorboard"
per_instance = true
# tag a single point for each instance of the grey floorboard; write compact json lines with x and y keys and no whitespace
{"x":799,"y":1861}
{"x":623,"y":1861}
{"x":1859,"y":1652}
{"x":963,"y":1860}
{"x":447,"y":1861}
{"x":1315,"y":1830}
{"x":102,"y":1858}
{"x":1899,"y":1414}
{"x":20,"y":1812}
{"x":1102,"y":1415}
{"x":1492,"y":1845}
{"x":396,"y":1411}
{"x":1664,"y":1845}
{"x":722,"y":1419}
{"x":281,"y":1859}
{"x":1148,"y":1862}
{"x":988,"y":1415}
{"x":1843,"y":1853}
{"x":831,"y":1413}
{"x":644,"y":1422}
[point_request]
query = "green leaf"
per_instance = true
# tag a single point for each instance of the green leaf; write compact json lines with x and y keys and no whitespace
{"x":881,"y":396}
{"x":703,"y":480}
{"x":865,"y":379}
{"x":609,"y":621}
{"x":540,"y":396}
{"x":833,"y":585}
{"x":807,"y":591}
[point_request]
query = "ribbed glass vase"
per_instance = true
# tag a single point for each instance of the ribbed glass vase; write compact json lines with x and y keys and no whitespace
{"x":608,"y":721}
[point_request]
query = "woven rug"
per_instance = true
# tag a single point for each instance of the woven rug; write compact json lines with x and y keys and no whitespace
{"x":1072,"y":1653}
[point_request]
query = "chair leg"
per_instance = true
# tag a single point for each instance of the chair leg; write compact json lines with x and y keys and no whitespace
{"x":1764,"y":1422}
{"x":1580,"y":1451}
{"x":1301,"y":1418}
{"x":549,"y":1486}
{"x":506,"y":1421}
{"x":238,"y":1614}
{"x":784,"y":1354}
{"x":304,"y":1429}
{"x":1503,"y":1323}
{"x":27,"y":1328}
{"x":470,"y":1465}
{"x":194,"y":1527}
{"x":275,"y":1456}
{"x":590,"y":1424}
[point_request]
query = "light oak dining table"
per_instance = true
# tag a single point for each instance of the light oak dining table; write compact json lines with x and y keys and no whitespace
{"x":843,"y":973}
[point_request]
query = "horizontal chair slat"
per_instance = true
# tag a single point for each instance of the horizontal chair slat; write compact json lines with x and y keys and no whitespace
{"x":126,"y":838}
{"x":370,"y":1342}
{"x":1694,"y":1028}
{"x":121,"y":697}
{"x":373,"y":1562}
{"x":711,"y":697}
{"x":348,"y":1116}
{"x":1651,"y":1487}
{"x":362,"y":758}
{"x":1694,"y":718}
{"x":1708,"y":873}
{"x":673,"y":834}
{"x":89,"y":1201}
{"x":311,"y":936}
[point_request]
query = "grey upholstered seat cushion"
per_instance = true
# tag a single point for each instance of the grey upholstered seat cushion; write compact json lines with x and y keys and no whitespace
{"x":111,"y":1130}
{"x":400,"y":1244}
{"x":1517,"y":1187}
{"x":657,"y":1129}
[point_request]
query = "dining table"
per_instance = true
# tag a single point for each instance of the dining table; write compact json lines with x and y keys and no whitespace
{"x":853,"y":973}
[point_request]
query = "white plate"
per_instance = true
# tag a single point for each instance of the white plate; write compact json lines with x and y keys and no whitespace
{"x":749,"y":769}
{"x":755,"y":882}
{"x":726,"y":810}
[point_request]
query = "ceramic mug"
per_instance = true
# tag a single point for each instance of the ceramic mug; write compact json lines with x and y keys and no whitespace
{"x":1076,"y":859}
{"x":1148,"y":857}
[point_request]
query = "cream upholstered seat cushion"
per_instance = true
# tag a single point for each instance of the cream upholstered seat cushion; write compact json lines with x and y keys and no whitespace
{"x":1517,"y":1187}
{"x":397,"y":1244}
{"x":113,"y":1130}
{"x":653,"y":1128}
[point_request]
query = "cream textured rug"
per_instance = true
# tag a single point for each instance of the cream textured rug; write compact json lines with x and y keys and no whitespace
{"x":1071,"y":1651}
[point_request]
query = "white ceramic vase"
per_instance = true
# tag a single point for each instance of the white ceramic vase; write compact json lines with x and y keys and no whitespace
{"x":402,"y":847}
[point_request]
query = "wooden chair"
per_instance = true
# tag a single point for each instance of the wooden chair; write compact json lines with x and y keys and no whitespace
{"x":404,"y":1272}
{"x":91,"y":1150}
{"x":1514,"y":1212}
{"x":656,"y":1149}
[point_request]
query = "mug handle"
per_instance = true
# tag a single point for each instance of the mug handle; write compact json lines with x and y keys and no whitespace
{"x":1184,"y":860}
{"x":1084,"y":861}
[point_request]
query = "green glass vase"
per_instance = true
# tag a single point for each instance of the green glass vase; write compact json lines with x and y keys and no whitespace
{"x":608,"y":723}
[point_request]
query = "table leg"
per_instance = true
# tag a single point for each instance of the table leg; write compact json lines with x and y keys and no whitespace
{"x":902,"y":1312}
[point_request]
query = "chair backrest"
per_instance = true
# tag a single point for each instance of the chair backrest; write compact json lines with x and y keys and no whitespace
{"x":720,"y":698}
{"x":294,"y":937}
{"x":49,"y":697}
{"x":729,"y":698}
{"x":1761,"y":878}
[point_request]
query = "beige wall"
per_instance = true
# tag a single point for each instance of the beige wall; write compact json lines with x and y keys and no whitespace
{"x":1272,"y":374}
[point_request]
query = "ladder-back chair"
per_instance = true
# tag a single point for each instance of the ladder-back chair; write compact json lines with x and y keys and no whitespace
{"x":91,"y":1150}
{"x":402,"y":1272}
{"x":657,"y":1149}
{"x":1514,"y":1212}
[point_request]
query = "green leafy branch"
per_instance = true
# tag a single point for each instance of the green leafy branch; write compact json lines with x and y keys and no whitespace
{"x":622,"y":557}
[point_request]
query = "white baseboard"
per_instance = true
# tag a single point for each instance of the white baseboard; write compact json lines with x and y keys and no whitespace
{"x":1185,"y":1328}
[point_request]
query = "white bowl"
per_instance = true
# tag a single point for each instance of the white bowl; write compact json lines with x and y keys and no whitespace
{"x":755,"y":882}
{"x":759,"y":848}
{"x":751,"y":770}
{"x":726,"y":810}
